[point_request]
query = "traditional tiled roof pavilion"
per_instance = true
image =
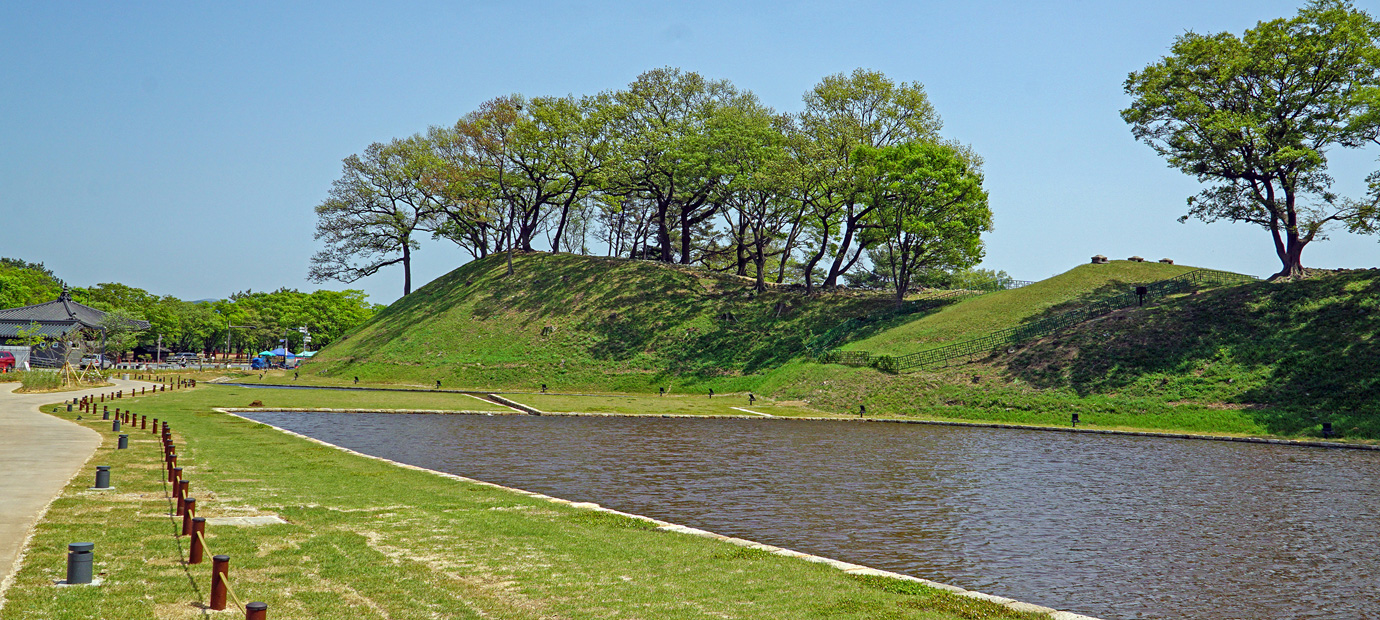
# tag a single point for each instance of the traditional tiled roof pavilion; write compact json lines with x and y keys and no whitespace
{"x":59,"y":319}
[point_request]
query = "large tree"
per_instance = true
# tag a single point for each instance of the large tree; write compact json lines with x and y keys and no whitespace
{"x":1254,"y":116}
{"x":669,"y":151}
{"x":843,"y":113}
{"x":374,"y":211}
{"x":928,"y":207}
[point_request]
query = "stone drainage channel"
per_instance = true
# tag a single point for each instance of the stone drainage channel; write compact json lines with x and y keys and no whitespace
{"x":1115,"y":526}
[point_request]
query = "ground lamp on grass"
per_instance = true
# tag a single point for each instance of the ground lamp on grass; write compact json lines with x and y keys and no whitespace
{"x":752,"y":398}
{"x":79,"y":558}
{"x":1075,"y":420}
{"x":1140,"y":292}
{"x":124,"y":442}
{"x":663,"y":392}
{"x":711,"y":392}
{"x":102,"y":477}
{"x":1327,"y":430}
{"x":862,"y":410}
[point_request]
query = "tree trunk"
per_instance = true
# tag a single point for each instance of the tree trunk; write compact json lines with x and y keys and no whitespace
{"x":663,"y":233}
{"x":760,"y":259}
{"x":407,"y":265}
{"x":1291,"y":259}
{"x":560,"y":228}
{"x":685,"y":240}
{"x":837,"y":267}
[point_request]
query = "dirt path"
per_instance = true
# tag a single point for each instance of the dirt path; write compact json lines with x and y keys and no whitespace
{"x":39,"y":455}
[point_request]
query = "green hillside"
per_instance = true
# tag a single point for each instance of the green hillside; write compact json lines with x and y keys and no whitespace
{"x":1291,"y":354}
{"x":589,"y":323}
{"x":1259,"y":358}
{"x":1005,"y":309}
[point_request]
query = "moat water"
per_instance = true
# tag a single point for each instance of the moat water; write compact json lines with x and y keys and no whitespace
{"x":1117,"y":527}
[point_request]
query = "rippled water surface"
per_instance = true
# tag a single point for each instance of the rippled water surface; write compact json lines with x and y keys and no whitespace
{"x":1111,"y":526}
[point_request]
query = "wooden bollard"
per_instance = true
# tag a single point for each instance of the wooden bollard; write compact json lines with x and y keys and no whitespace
{"x":187,"y":515}
{"x":183,"y":485}
{"x":143,"y":422}
{"x":155,"y":426}
{"x":220,"y":572}
{"x":102,"y":397}
{"x":198,"y":540}
{"x":177,"y":477}
{"x":256,"y":611}
{"x":180,"y":490}
{"x":172,"y":464}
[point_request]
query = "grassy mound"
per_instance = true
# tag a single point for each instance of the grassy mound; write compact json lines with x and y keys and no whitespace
{"x":1291,"y":354}
{"x":583,"y":323}
{"x":1263,"y":358}
{"x":1004,"y":309}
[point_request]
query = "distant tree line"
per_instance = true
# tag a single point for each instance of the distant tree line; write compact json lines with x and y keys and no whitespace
{"x":259,"y":319}
{"x":680,"y":169}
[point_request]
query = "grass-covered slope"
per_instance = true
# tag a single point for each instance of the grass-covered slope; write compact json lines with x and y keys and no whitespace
{"x":584,"y":323}
{"x":1004,"y":309}
{"x":1290,"y":354}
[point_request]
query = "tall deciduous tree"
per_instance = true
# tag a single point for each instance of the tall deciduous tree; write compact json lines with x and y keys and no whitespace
{"x":374,"y":211}
{"x":843,"y":113}
{"x":670,"y":153}
{"x":928,"y":207}
{"x":1254,"y":116}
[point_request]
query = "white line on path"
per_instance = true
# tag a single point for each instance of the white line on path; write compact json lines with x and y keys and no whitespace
{"x":753,"y":412}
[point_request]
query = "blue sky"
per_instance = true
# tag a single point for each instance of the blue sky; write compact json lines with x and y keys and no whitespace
{"x":180,"y":147}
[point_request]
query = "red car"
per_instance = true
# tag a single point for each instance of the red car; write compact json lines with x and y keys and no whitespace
{"x":6,"y":361}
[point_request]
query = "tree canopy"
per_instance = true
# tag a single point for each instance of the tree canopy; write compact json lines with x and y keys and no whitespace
{"x":1254,"y":116}
{"x":676,"y":167}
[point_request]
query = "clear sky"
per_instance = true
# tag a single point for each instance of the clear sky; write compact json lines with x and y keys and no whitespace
{"x":180,"y":147}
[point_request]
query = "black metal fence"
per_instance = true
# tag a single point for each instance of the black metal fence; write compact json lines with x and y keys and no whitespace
{"x":1182,"y":283}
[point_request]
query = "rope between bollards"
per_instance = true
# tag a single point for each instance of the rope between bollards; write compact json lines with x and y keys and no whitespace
{"x":228,"y":590}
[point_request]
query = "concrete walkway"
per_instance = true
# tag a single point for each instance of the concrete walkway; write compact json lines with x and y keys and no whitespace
{"x":39,"y":454}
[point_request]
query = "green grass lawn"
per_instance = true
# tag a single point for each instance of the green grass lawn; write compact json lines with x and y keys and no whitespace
{"x":367,"y":539}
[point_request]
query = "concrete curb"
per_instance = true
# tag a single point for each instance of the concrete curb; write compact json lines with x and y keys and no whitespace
{"x":847,"y":567}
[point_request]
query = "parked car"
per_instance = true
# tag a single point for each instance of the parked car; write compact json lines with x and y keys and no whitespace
{"x":7,"y":361}
{"x":97,"y":361}
{"x":182,"y":359}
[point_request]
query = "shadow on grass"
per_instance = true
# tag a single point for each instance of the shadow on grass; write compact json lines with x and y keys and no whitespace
{"x":616,"y":315}
{"x":1295,"y":354}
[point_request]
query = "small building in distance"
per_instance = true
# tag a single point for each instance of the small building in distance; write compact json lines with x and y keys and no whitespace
{"x":64,"y":324}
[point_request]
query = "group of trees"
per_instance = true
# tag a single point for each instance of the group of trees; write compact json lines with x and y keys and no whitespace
{"x":676,"y":168}
{"x":253,"y":320}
